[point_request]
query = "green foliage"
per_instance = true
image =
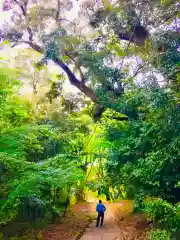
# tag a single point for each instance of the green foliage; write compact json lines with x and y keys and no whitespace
{"x":163,"y":213}
{"x":52,"y":50}
{"x":145,"y":153}
{"x":166,"y":43}
{"x":36,"y":168}
{"x":100,"y":76}
{"x":31,"y":178}
{"x":49,"y":156}
{"x":158,"y":234}
{"x":14,"y":111}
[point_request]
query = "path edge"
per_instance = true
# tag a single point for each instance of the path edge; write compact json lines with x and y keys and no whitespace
{"x":78,"y":237}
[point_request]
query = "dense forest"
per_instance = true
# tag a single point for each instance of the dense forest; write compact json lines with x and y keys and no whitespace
{"x":90,"y":101}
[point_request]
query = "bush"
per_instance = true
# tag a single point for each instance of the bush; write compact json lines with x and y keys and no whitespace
{"x":138,"y":202}
{"x":159,"y":234}
{"x":163,"y":213}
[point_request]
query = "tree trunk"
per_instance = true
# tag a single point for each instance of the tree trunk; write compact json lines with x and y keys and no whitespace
{"x":66,"y":206}
{"x":80,"y":195}
{"x":75,"y":82}
{"x":108,"y":198}
{"x":120,"y":193}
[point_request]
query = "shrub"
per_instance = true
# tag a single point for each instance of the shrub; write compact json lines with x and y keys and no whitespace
{"x":163,"y":213}
{"x":159,"y":234}
{"x":138,"y":202}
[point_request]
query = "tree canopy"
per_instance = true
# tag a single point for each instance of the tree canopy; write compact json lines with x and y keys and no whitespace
{"x":117,"y":134}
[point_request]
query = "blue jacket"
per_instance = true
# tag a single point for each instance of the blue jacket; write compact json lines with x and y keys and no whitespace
{"x":100,"y":208}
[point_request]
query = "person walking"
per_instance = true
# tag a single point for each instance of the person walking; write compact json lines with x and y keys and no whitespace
{"x":100,"y":209}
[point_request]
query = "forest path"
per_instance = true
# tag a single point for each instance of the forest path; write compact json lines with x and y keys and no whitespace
{"x":119,"y":224}
{"x":110,"y":231}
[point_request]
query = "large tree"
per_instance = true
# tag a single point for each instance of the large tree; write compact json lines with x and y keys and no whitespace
{"x":46,"y":28}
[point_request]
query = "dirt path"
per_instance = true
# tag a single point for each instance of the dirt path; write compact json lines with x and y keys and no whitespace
{"x":129,"y":226}
{"x":119,"y":224}
{"x":110,"y":231}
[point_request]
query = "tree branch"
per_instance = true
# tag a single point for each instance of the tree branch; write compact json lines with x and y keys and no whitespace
{"x":30,"y":34}
{"x":138,"y":69}
{"x":138,"y":35}
{"x":72,"y":78}
{"x":78,"y":67}
{"x":33,"y":46}
{"x":125,"y":36}
{"x":58,"y":10}
{"x":66,"y":20}
{"x":75,"y":82}
{"x":24,"y":10}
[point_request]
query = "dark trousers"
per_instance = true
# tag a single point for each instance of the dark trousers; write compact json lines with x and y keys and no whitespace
{"x":100,"y":216}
